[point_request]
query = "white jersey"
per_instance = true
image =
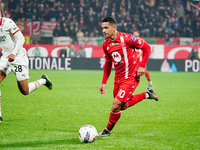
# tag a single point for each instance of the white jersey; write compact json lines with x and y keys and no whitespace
{"x":7,"y":30}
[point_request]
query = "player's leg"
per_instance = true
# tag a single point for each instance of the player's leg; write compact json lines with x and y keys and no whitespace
{"x":2,"y":76}
{"x":4,"y":68}
{"x":1,"y":118}
{"x":134,"y":99}
{"x":118,"y":103}
{"x":22,"y":75}
{"x":115,"y":114}
{"x":150,"y":94}
{"x":26,"y":88}
{"x":48,"y":83}
{"x":43,"y":81}
{"x":148,"y":78}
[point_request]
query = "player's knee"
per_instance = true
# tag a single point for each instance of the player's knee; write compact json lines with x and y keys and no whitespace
{"x":24,"y":92}
{"x":124,"y":106}
{"x":115,"y":107}
{"x":2,"y":77}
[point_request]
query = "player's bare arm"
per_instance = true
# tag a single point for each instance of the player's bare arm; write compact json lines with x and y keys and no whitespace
{"x":141,"y":71}
{"x":11,"y":57}
{"x":102,"y":89}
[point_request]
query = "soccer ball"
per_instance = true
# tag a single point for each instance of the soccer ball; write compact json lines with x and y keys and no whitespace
{"x":87,"y":133}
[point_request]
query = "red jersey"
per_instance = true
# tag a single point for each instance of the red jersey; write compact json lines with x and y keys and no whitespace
{"x":120,"y":52}
{"x":137,"y":53}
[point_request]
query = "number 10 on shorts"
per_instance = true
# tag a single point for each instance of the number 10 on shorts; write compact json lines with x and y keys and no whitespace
{"x":121,"y":93}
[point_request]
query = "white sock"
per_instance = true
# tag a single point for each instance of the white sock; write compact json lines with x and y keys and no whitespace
{"x":36,"y":84}
{"x":147,"y":95}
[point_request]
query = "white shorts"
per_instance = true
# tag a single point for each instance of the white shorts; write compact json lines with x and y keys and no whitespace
{"x":21,"y":71}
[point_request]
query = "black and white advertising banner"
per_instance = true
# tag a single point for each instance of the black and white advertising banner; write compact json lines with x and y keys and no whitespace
{"x":164,"y":65}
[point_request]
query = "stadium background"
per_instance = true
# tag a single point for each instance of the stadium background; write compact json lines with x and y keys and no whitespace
{"x":171,"y":27}
{"x":51,"y":119}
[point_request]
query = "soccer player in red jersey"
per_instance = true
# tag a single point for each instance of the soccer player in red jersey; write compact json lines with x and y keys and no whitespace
{"x":118,"y":47}
{"x":139,"y":58}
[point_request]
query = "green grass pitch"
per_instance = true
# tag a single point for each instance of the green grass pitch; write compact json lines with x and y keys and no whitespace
{"x":51,"y":119}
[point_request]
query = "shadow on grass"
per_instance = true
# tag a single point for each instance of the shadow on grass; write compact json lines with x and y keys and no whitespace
{"x":52,"y":143}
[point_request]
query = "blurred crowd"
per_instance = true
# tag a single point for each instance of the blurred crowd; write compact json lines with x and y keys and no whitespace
{"x":81,"y":18}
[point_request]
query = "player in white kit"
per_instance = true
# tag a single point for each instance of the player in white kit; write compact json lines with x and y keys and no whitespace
{"x":14,"y":58}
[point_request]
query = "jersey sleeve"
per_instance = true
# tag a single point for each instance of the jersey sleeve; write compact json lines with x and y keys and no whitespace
{"x":107,"y":66}
{"x":134,"y":42}
{"x":138,"y":43}
{"x":11,"y":26}
{"x":107,"y":56}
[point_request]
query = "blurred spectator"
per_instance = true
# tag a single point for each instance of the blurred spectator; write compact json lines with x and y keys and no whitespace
{"x":63,"y":52}
{"x":64,"y":29}
{"x":196,"y":29}
{"x":193,"y":55}
{"x":72,"y":51}
{"x":79,"y":34}
{"x":57,"y":30}
{"x":29,"y":14}
{"x":151,"y":17}
{"x":179,"y":9}
{"x":37,"y":52}
{"x":41,"y":12}
{"x":159,"y":33}
{"x":12,"y":6}
{"x":81,"y":52}
{"x":168,"y":39}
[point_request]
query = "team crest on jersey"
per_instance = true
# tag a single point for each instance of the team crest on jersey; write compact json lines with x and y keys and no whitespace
{"x":113,"y":44}
{"x":116,"y":56}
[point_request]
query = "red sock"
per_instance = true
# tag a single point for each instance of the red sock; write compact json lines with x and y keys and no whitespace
{"x":114,"y":117}
{"x":135,"y":99}
{"x":147,"y":76}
